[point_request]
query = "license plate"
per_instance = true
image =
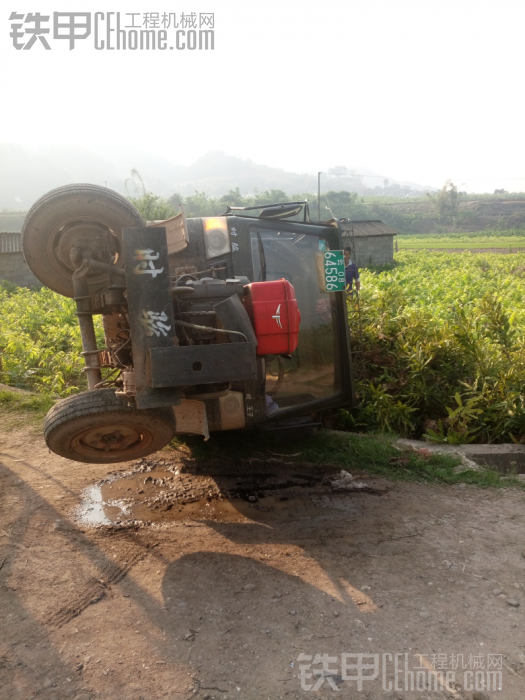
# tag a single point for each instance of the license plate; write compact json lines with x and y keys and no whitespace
{"x":334,"y":270}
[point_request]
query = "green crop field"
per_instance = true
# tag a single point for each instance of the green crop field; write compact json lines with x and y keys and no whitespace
{"x":40,"y":341}
{"x":430,"y":242}
{"x":509,"y":240}
{"x":442,"y":337}
{"x":443,"y":342}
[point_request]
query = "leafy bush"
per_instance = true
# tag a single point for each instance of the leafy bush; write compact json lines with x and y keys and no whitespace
{"x":443,"y":340}
{"x":153,"y":207}
{"x":40,"y":341}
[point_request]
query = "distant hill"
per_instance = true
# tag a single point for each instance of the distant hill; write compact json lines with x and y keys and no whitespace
{"x":474,"y":213}
{"x":25,"y":174}
{"x":215,"y":173}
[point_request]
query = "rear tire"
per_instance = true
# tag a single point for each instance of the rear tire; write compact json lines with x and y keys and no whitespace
{"x":86,"y":217}
{"x":98,"y":427}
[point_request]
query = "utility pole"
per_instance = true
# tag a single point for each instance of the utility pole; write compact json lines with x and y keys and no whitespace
{"x":318,"y":196}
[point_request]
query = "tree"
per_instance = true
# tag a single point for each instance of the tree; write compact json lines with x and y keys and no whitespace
{"x":270,"y":197}
{"x":234,"y":198}
{"x":176,"y":199}
{"x":344,"y":204}
{"x":199,"y":204}
{"x":152,"y":207}
{"x":445,"y":200}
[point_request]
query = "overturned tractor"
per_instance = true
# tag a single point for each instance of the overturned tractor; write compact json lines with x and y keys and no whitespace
{"x":217,"y":323}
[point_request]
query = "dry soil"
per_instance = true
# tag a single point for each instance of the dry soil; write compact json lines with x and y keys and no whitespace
{"x":218,"y":596}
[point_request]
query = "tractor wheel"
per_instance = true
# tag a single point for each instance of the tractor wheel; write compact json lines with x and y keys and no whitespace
{"x":99,"y":427}
{"x":87,"y":219}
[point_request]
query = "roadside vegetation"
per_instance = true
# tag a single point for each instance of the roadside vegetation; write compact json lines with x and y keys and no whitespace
{"x":442,"y":338}
{"x":447,"y":210}
{"x":439,"y":343}
{"x":40,"y":342}
{"x":18,"y":408}
{"x":371,"y":454}
{"x":27,"y":402}
{"x":23,"y":409}
{"x":442,"y":343}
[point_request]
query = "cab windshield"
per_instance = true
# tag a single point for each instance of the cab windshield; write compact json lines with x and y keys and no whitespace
{"x":309,"y":374}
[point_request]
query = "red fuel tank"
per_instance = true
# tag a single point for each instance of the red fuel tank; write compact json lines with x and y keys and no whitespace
{"x":273,"y":310}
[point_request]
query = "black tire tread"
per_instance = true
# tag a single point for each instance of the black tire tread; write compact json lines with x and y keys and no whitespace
{"x":41,"y":215}
{"x":93,"y":402}
{"x":101,"y":401}
{"x":78,"y":188}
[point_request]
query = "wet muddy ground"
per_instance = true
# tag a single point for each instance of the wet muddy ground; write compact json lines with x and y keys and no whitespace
{"x":171,"y":578}
{"x":252,"y":490}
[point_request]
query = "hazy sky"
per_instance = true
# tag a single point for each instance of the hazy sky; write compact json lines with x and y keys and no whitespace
{"x":419,"y":90}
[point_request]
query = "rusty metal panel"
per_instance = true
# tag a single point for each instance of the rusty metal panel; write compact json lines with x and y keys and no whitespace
{"x":176,"y":232}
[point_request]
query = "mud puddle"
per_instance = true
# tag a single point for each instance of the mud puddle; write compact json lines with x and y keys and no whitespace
{"x":178,"y":493}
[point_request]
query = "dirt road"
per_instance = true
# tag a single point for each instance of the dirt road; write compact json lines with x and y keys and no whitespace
{"x":216,"y":604}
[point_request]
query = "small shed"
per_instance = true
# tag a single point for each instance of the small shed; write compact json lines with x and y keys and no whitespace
{"x":371,"y":242}
{"x":13,"y":267}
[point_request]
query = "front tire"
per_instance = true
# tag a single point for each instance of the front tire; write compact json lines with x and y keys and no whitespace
{"x":98,"y":427}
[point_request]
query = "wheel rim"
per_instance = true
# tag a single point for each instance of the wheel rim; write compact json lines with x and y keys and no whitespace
{"x":83,"y":233}
{"x":112,"y":441}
